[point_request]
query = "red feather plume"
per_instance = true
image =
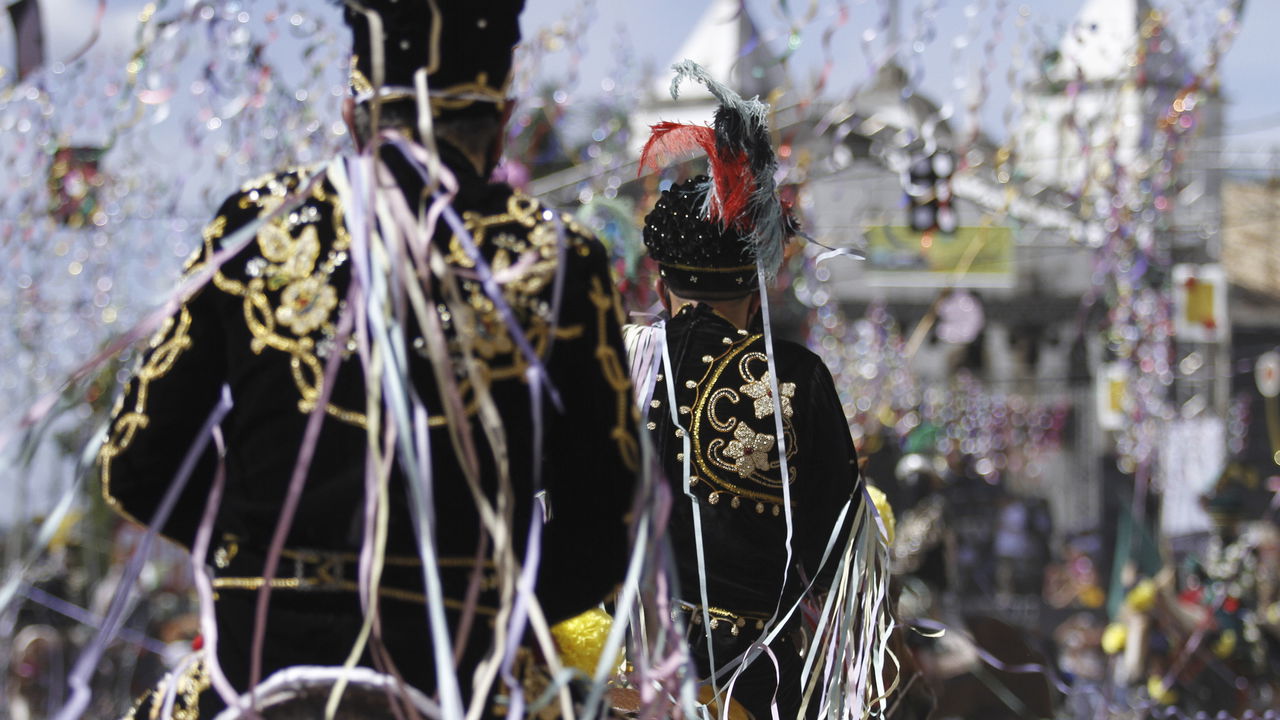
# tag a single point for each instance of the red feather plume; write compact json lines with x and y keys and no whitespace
{"x":734,"y":185}
{"x":672,"y":142}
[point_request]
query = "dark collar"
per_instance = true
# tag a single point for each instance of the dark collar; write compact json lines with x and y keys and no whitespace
{"x":702,"y":315}
{"x":471,"y":186}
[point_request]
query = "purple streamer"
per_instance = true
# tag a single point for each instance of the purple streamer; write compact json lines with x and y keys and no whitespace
{"x":84,"y":617}
{"x":87,"y":663}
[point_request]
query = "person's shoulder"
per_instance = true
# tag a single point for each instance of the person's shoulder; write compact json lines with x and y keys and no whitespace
{"x":310,"y":196}
{"x":507,"y":210}
{"x":794,"y":355}
{"x":264,"y":195}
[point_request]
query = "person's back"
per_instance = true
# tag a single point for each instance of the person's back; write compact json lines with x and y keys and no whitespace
{"x":723,"y":396}
{"x":508,"y":290}
{"x":723,"y":399}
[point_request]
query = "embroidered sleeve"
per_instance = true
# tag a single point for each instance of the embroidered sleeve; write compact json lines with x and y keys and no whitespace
{"x":598,"y":453}
{"x":161,"y":410}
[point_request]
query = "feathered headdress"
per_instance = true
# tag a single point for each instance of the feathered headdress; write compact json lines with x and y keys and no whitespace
{"x":740,"y":193}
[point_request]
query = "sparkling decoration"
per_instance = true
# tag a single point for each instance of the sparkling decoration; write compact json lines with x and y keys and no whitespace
{"x":960,"y":317}
{"x":114,"y":159}
{"x":93,"y":224}
{"x":881,"y":395}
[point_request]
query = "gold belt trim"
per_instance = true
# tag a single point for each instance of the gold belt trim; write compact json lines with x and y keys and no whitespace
{"x":719,"y":616}
{"x":313,"y":584}
{"x":694,"y":268}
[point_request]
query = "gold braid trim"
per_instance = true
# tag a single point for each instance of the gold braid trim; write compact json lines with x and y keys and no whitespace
{"x":187,"y":689}
{"x":167,"y":345}
{"x":615,"y":373}
{"x":316,"y":584}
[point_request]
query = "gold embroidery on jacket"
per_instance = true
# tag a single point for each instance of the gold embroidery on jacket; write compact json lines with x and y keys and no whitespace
{"x":188,"y":687}
{"x":165,"y":347}
{"x":524,"y":262}
{"x":723,"y":437}
{"x":288,"y":296}
{"x":615,"y":373}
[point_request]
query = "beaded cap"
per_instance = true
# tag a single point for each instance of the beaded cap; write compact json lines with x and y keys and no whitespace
{"x":700,"y":259}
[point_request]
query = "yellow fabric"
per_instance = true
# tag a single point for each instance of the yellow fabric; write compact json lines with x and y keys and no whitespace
{"x":1091,"y":596}
{"x":886,"y":511}
{"x":581,"y":639}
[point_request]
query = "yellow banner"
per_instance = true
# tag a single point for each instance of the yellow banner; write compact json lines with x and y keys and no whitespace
{"x":978,"y":251}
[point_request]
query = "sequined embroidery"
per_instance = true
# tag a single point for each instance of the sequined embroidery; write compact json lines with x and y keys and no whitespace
{"x":186,"y":688}
{"x":732,"y":443}
{"x":289,"y":298}
{"x":760,"y":390}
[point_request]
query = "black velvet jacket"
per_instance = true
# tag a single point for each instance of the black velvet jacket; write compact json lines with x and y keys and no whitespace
{"x":723,"y":400}
{"x":265,"y":327}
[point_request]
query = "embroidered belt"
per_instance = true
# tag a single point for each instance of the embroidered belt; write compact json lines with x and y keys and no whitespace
{"x":719,"y":617}
{"x":327,"y":571}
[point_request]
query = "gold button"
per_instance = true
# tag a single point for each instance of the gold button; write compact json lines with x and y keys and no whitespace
{"x":691,"y":384}
{"x":693,"y":480}
{"x":684,"y":409}
{"x":655,"y":403}
{"x":680,"y":457}
{"x":727,"y":341}
{"x":653,"y":425}
{"x":760,"y":508}
{"x":707,"y":358}
{"x":679,"y":432}
{"x":714,"y":498}
{"x":735,"y":502}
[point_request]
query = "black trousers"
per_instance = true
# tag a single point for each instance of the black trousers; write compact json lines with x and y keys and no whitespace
{"x":320,"y":628}
{"x":755,"y":687}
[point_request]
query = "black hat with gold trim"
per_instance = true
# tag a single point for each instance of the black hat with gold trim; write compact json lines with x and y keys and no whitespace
{"x":714,"y":235}
{"x":464,"y":45}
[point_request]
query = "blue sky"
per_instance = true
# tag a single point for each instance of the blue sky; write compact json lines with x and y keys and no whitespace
{"x":623,"y":40}
{"x":953,"y":34}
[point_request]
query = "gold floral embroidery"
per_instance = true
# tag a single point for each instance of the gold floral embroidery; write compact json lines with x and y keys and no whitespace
{"x":524,"y":261}
{"x":187,"y":689}
{"x":306,"y":304}
{"x":722,"y":438}
{"x":763,"y":394}
{"x":750,"y":449}
{"x":290,"y":265}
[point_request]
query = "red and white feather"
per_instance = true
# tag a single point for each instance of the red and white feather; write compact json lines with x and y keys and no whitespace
{"x":671,"y":142}
{"x":733,"y":183}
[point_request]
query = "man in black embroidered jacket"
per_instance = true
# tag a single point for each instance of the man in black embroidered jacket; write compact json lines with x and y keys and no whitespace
{"x":271,"y":319}
{"x":719,"y":384}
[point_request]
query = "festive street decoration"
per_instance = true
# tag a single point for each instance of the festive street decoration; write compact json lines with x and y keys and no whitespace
{"x":1200,"y":303}
{"x":113,"y":158}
